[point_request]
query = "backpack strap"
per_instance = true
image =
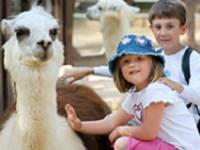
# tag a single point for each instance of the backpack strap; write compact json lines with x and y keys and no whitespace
{"x":198,"y":125}
{"x":186,"y":71}
{"x":186,"y":64}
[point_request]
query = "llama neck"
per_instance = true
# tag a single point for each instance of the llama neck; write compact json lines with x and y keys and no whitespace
{"x":36,"y":96}
{"x":113,"y":28}
{"x":36,"y":100}
{"x":36,"y":107}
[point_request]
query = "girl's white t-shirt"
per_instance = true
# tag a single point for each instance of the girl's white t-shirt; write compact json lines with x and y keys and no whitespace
{"x":177,"y":127}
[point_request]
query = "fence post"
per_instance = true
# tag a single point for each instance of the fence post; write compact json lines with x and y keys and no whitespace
{"x":68,"y":9}
{"x":1,"y":82}
{"x":3,"y":11}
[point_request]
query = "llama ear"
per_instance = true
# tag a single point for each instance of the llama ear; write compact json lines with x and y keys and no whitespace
{"x":36,"y":3}
{"x":6,"y":28}
{"x":46,"y":4}
{"x":131,"y":11}
{"x":134,"y":9}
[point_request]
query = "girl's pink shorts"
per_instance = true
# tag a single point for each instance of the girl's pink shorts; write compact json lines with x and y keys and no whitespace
{"x":157,"y":144}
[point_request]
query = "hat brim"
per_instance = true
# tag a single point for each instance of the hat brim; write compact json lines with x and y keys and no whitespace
{"x":113,"y":59}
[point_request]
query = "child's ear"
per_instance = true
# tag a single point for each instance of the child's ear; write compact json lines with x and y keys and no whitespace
{"x":150,"y":26}
{"x":183,"y":29}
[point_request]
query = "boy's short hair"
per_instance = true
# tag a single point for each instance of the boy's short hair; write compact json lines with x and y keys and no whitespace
{"x":168,"y":9}
{"x":124,"y":86}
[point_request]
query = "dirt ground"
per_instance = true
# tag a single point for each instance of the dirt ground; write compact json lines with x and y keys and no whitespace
{"x":87,"y":39}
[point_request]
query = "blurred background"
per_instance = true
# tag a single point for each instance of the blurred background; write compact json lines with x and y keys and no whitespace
{"x":83,"y":39}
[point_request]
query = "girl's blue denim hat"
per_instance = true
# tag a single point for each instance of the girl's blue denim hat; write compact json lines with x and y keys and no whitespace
{"x":134,"y":44}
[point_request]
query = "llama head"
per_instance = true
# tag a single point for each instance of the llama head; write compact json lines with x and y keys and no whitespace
{"x":32,"y":40}
{"x":110,"y":8}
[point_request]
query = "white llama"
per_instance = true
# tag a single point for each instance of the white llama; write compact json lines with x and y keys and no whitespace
{"x":115,"y":17}
{"x":33,"y":55}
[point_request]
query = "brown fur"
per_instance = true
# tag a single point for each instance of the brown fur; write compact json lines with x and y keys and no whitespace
{"x":88,"y":106}
{"x":11,"y":109}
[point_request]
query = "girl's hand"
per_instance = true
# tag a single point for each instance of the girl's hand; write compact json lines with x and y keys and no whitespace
{"x":118,"y":132}
{"x":172,"y":84}
{"x":74,"y":121}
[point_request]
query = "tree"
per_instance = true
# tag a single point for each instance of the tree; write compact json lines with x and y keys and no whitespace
{"x":191,"y":7}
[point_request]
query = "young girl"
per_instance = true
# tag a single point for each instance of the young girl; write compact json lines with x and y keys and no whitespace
{"x":164,"y":121}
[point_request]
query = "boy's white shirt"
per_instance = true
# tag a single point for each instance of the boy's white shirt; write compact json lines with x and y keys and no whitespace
{"x":102,"y":71}
{"x":173,"y":69}
{"x":177,"y":127}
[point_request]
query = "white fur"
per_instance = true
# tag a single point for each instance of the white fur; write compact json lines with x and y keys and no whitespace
{"x":115,"y":17}
{"x":36,"y":124}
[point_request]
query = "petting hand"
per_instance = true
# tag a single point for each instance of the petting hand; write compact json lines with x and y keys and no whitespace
{"x":74,"y":121}
{"x":172,"y":84}
{"x":76,"y":73}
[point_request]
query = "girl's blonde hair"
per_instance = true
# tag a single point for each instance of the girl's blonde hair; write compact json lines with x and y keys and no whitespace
{"x":124,"y":86}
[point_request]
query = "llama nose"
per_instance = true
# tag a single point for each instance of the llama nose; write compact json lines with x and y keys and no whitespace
{"x":44,"y":44}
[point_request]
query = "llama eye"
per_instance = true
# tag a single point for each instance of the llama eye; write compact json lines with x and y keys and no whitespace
{"x":22,"y":32}
{"x":53,"y":33}
{"x":100,"y":8}
{"x":114,"y":8}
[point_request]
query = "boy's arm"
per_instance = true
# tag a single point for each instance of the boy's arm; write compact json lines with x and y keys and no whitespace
{"x":77,"y":73}
{"x":191,"y":92}
{"x":172,"y":84}
{"x":102,"y":71}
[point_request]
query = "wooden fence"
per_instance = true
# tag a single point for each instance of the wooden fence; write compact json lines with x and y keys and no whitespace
{"x":3,"y":80}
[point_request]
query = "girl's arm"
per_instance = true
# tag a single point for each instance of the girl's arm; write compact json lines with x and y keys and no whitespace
{"x":103,"y":126}
{"x":148,"y":130}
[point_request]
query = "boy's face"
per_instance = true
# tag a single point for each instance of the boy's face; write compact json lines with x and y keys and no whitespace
{"x":167,"y":32}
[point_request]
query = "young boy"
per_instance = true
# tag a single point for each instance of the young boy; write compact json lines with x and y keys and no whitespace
{"x":168,"y":22}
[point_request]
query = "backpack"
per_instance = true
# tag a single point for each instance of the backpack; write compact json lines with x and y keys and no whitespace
{"x":185,"y":66}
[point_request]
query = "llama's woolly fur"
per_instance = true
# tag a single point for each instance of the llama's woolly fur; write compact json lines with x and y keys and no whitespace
{"x":115,"y":17}
{"x":36,"y":124}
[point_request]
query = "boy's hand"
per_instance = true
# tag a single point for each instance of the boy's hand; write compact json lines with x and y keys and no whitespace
{"x":74,"y":121}
{"x":172,"y":84}
{"x":75,"y":74}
